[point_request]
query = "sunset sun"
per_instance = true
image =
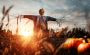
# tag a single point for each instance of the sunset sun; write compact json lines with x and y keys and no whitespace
{"x":26,"y":29}
{"x":26,"y":33}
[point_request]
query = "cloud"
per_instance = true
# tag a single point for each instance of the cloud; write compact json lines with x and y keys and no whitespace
{"x":78,"y":4}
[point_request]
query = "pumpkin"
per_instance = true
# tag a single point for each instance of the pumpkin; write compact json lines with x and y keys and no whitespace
{"x":84,"y":48}
{"x":72,"y":43}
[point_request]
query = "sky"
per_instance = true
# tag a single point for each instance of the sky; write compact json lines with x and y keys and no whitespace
{"x":50,"y":6}
{"x":72,"y":11}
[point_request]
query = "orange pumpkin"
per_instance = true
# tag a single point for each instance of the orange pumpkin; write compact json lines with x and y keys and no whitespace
{"x":84,"y":47}
{"x":72,"y":42}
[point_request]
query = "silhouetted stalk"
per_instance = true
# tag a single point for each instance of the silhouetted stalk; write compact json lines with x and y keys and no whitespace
{"x":5,"y":13}
{"x":17,"y":26}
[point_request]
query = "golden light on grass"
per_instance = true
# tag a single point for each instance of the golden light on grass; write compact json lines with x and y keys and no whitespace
{"x":26,"y":37}
{"x":25,"y":30}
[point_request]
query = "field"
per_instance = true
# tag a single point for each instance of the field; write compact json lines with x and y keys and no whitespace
{"x":64,"y":42}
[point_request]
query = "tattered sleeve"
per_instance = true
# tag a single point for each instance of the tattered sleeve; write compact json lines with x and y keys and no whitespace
{"x":51,"y":18}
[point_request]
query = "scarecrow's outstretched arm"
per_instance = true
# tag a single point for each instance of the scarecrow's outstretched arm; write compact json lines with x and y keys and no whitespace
{"x":32,"y":17}
{"x":51,"y":18}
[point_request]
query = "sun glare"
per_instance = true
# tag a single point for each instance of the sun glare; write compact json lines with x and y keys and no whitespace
{"x":26,"y":33}
{"x":26,"y":30}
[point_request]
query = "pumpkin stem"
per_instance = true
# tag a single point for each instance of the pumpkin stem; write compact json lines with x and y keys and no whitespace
{"x":85,"y":38}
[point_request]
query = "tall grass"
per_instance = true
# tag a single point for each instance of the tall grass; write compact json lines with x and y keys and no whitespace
{"x":5,"y":13}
